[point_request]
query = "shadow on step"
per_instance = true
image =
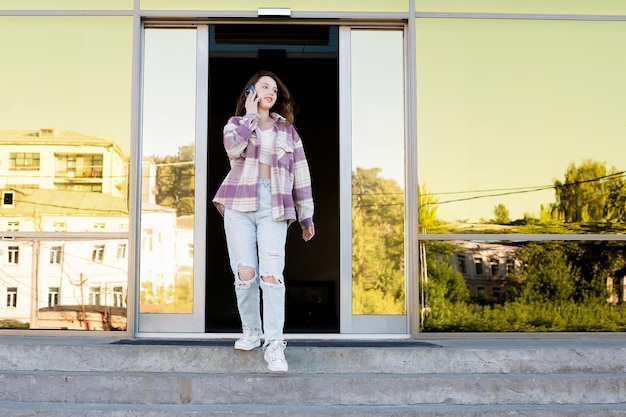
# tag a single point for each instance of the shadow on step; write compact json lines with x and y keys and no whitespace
{"x":296,"y":343}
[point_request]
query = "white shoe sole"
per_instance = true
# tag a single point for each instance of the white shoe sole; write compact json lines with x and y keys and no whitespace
{"x":277,"y":369}
{"x":247,"y":347}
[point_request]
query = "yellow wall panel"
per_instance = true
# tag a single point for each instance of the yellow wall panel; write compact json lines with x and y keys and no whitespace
{"x":595,"y":7}
{"x":300,"y":5}
{"x":66,"y":5}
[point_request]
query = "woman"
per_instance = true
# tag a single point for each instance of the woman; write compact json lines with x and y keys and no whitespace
{"x":268,"y":188}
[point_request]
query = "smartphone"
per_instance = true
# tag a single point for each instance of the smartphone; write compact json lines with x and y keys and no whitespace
{"x":249,"y":90}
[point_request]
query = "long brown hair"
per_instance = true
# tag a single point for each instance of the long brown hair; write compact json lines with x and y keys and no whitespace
{"x":284,"y":104}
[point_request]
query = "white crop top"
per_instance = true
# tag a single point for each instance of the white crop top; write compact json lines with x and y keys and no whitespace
{"x":267,"y":142}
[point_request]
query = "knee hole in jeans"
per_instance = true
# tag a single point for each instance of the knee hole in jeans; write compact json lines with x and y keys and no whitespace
{"x":271,"y":279}
{"x":246,"y":274}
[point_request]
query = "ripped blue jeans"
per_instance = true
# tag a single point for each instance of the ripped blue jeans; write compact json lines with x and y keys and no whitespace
{"x":256,"y":247}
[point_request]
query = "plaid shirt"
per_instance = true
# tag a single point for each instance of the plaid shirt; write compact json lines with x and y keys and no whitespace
{"x":290,"y":177}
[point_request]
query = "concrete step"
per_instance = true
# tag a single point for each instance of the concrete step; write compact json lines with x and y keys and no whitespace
{"x":499,"y":377}
{"x":392,"y":357}
{"x":426,"y":410}
{"x":311,"y":389}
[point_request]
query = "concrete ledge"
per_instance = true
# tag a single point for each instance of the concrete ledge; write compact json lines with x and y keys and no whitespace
{"x":207,"y":357}
{"x":310,"y":390}
{"x":452,"y":377}
{"x":426,"y":410}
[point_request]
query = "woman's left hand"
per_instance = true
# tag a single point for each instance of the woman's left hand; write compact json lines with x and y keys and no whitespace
{"x":308,"y":233}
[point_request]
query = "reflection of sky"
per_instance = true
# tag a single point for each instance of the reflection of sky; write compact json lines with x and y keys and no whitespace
{"x":378,"y":102}
{"x":503,"y":105}
{"x":510,"y":104}
{"x":377,"y":96}
{"x":169,"y":90}
{"x":70,"y":73}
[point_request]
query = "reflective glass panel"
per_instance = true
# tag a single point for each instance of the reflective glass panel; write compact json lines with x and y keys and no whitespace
{"x":523,"y":286}
{"x":378,"y":282}
{"x":168,"y":172}
{"x":521,"y":126}
{"x":64,"y":154}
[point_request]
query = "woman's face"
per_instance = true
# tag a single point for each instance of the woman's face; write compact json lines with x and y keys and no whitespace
{"x":267,"y":92}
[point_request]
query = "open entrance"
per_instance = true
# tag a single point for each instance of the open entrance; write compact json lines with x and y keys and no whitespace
{"x":305,"y":57}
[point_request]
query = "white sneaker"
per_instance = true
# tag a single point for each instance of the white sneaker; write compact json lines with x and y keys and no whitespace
{"x":250,"y":339}
{"x":275,"y":355}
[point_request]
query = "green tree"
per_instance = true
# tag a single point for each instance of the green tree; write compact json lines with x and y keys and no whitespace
{"x":427,"y":209}
{"x":183,"y":293}
{"x":444,"y":281}
{"x":590,"y":193}
{"x":377,"y":243}
{"x":596,"y":260}
{"x":446,"y":294}
{"x":175,"y":180}
{"x":616,"y":202}
{"x":501,"y":214}
{"x":547,"y":274}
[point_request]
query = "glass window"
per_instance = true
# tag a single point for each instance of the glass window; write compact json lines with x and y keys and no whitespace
{"x":13,"y":253}
{"x":79,"y":166}
{"x":377,"y":102}
{"x":65,"y":129}
{"x":56,"y":252}
{"x":521,"y":126}
{"x":12,"y":297}
{"x":97,"y":254}
{"x":118,"y":297}
{"x":494,"y":266}
{"x":59,"y":226}
{"x":53,"y":296}
{"x":462,"y":265}
{"x":478,"y":263}
{"x":24,"y":161}
{"x":94,"y":296}
{"x":550,"y":286}
{"x":121,"y":251}
{"x":168,"y":171}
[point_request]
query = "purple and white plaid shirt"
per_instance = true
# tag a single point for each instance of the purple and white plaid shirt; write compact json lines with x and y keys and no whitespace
{"x":290,"y":177}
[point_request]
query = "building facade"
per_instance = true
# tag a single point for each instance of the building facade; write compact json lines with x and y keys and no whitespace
{"x":425,"y":122}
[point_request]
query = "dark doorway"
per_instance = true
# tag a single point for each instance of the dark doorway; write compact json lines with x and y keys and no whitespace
{"x":305,"y":57}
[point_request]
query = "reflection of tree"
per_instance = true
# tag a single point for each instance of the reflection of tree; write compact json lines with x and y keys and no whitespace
{"x":501,"y":214}
{"x":590,"y":193}
{"x":561,"y":285}
{"x":427,"y":211}
{"x":547,"y":275}
{"x":175,"y":180}
{"x":377,"y":244}
{"x":176,"y":298}
{"x":445,"y":287}
{"x":183,"y":295}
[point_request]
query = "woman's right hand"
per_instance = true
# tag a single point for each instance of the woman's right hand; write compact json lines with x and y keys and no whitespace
{"x":252,"y":103}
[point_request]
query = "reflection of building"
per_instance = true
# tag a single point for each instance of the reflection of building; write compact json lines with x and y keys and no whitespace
{"x":184,"y":242}
{"x":148,"y":181}
{"x":62,"y":160}
{"x":59,"y":282}
{"x":84,"y":70}
{"x":617,"y":286}
{"x":158,"y":249}
{"x":167,"y":246}
{"x":484,"y":266}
